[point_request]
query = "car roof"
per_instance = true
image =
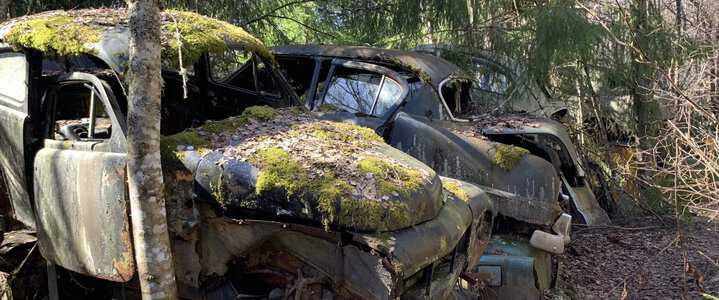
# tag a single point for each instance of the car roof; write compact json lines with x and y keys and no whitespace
{"x":105,"y":33}
{"x":429,"y":68}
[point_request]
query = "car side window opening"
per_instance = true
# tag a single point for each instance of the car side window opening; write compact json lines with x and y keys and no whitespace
{"x":455,"y":93}
{"x":358,"y":91}
{"x":242,"y":69}
{"x":491,"y":80}
{"x":80,"y":114}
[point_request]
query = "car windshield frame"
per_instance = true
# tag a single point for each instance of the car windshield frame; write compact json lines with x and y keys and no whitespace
{"x":386,"y":73}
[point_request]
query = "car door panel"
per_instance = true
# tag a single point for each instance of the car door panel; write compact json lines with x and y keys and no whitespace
{"x":12,"y":160}
{"x":81,"y":202}
{"x":14,"y":128}
{"x":81,"y":198}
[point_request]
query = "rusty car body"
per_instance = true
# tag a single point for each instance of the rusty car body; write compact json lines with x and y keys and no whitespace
{"x":246,"y":218}
{"x":416,"y":102}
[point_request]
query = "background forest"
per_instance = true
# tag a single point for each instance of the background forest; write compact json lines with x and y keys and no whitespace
{"x":640,"y":77}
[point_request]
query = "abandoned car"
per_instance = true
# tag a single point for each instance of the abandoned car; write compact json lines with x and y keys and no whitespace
{"x":417,"y":103}
{"x":263,"y":199}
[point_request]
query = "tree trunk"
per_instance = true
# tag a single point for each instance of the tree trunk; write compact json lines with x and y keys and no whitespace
{"x":4,"y":9}
{"x":147,"y":203}
{"x":645,"y":108}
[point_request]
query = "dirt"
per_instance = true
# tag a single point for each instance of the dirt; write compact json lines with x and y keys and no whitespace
{"x":641,"y":258}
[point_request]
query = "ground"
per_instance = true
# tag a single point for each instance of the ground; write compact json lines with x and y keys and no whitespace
{"x":645,"y":254}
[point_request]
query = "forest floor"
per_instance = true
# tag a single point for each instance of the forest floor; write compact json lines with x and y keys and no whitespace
{"x":642,"y":258}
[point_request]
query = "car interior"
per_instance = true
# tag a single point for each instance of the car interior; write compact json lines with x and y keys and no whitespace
{"x":217,"y":87}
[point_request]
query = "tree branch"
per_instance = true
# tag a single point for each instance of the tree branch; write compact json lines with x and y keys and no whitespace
{"x":271,"y":12}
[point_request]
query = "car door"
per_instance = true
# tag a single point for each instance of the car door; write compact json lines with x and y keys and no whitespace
{"x":14,"y":133}
{"x":79,"y":181}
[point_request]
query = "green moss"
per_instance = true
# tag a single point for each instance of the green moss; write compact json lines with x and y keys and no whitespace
{"x":508,"y":156}
{"x":168,"y":145}
{"x":455,"y":188}
{"x":366,"y":213}
{"x":346,"y":132}
{"x":260,"y":113}
{"x":391,"y":178}
{"x":327,"y":108}
{"x":424,"y":76}
{"x":200,"y":34}
{"x":279,"y":171}
{"x":58,"y":34}
{"x":218,"y":191}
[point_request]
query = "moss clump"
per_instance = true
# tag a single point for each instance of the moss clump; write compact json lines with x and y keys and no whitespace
{"x":58,"y":34}
{"x":200,"y":34}
{"x":327,"y":108}
{"x":169,"y":144}
{"x":260,"y":113}
{"x":417,"y":70}
{"x":346,"y":133}
{"x":279,"y":171}
{"x":367,"y":213}
{"x":455,"y":188}
{"x":507,"y":156}
{"x":391,"y":178}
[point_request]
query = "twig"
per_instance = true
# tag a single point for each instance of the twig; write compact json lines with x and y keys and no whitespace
{"x":183,"y":71}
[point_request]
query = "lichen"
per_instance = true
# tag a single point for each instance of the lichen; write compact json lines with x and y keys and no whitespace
{"x":391,"y":178}
{"x":455,"y":188}
{"x":508,"y":156}
{"x":200,"y":34}
{"x":58,"y":34}
{"x":169,"y":145}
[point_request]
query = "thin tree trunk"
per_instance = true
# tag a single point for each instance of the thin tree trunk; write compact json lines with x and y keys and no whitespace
{"x":147,"y":203}
{"x":4,"y":9}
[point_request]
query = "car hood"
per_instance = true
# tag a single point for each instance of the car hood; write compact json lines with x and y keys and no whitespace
{"x":296,"y":168}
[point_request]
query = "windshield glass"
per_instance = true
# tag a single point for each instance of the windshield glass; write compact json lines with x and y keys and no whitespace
{"x":359,"y":91}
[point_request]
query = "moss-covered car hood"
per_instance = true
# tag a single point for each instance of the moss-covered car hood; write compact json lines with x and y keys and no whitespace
{"x":286,"y":164}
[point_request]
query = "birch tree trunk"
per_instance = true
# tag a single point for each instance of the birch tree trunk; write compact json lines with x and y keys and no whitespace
{"x":147,"y":204}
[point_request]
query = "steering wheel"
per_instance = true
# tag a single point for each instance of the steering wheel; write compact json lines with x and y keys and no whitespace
{"x":74,"y":132}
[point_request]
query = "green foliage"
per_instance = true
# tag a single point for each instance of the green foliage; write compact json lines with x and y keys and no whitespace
{"x":58,"y":34}
{"x":563,"y":35}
